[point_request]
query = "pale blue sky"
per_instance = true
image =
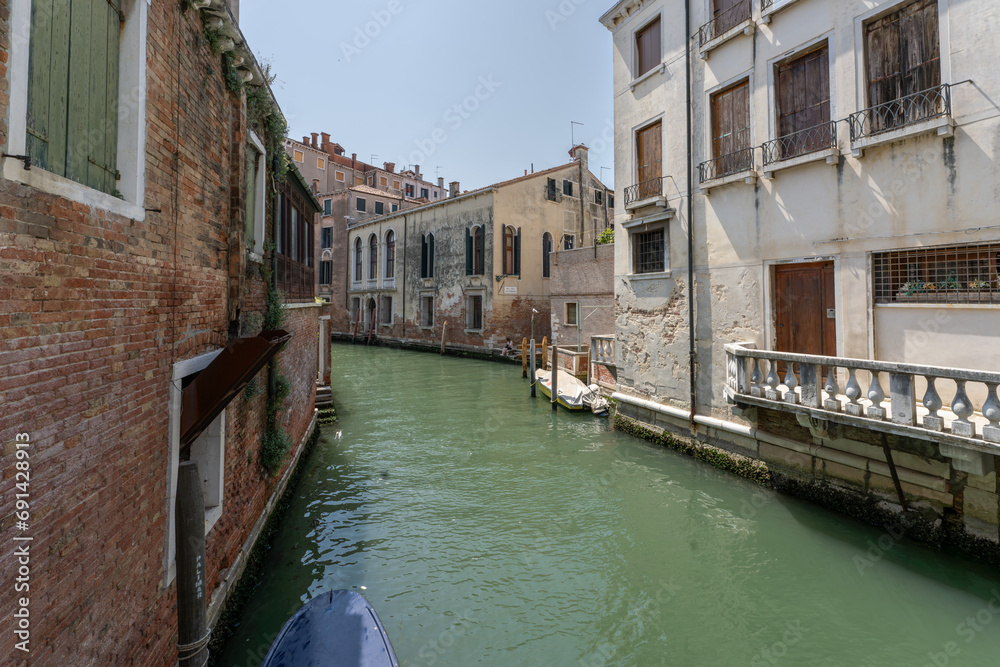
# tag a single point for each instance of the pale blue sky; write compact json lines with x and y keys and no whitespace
{"x":536,"y":65}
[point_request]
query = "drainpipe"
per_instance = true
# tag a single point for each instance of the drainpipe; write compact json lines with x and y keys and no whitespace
{"x":403,"y":281}
{"x":692,"y":342}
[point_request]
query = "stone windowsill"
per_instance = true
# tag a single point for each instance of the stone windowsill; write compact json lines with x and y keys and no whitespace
{"x":659,"y":201}
{"x":659,"y":69}
{"x":304,"y":304}
{"x":53,"y":184}
{"x":766,"y":15}
{"x":639,"y":277}
{"x":939,"y":306}
{"x":749,"y":177}
{"x":212,"y":516}
{"x":943,"y":127}
{"x":478,"y":332}
{"x":830,"y":155}
{"x":668,"y":214}
{"x":430,"y":328}
{"x":745,"y":28}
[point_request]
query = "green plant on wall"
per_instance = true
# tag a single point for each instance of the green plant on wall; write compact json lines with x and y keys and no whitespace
{"x":276,"y":442}
{"x":607,"y":236}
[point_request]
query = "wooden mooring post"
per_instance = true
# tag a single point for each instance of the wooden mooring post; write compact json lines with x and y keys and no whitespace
{"x":555,"y":377}
{"x":443,"y":329}
{"x":192,"y":600}
{"x":524,"y":357}
{"x":531,"y":378}
{"x":545,"y":352}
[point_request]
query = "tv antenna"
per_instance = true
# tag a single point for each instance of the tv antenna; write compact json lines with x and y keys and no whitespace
{"x":572,"y":136}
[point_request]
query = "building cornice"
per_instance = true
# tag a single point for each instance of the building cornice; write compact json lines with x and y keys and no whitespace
{"x":620,"y":12}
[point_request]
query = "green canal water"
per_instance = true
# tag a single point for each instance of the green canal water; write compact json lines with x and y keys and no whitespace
{"x":487,"y":530}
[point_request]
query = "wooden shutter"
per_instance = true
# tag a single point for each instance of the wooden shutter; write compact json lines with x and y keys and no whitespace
{"x":731,"y":119}
{"x":903,"y":52}
{"x":74,"y":56}
{"x":648,"y":50}
{"x":430,"y":255}
{"x":517,"y":252}
{"x":423,"y":255}
{"x":468,"y":252}
{"x":649,"y":148}
{"x":251,"y":195}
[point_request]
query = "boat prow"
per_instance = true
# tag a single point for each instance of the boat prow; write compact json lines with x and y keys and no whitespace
{"x":336,"y":629}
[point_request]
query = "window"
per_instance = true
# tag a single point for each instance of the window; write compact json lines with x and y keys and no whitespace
{"x":568,"y":188}
{"x":546,"y":255}
{"x":803,"y":104}
{"x":511,"y":251}
{"x":73,"y":90}
{"x":395,"y":185}
{"x":385,"y":308}
{"x":340,"y":176}
{"x":327,"y":207}
{"x":293,"y":233}
{"x":427,"y":256}
{"x":320,"y":163}
{"x":325,"y":272}
{"x":326,"y":238}
{"x":379,"y":208}
{"x":598,"y":197}
{"x":358,"y":254}
{"x":435,"y":194}
{"x":474,"y":251}
{"x":474,"y":312}
{"x":355,"y":308}
{"x":383,"y":181}
{"x":409,"y":190}
{"x":903,"y":57}
{"x":550,"y":190}
{"x":395,"y":207}
{"x":427,"y":311}
{"x":611,"y":200}
{"x":298,"y":156}
{"x":728,"y":14}
{"x":372,"y":257}
{"x":572,"y":319}
{"x":568,"y":240}
{"x":647,"y":47}
{"x":362,"y":204}
{"x":731,"y":130}
{"x":358,"y":180}
{"x":424,"y":193}
{"x":253,"y":160}
{"x":947,"y":274}
{"x":390,"y":254}
{"x":649,"y":160}
{"x":649,"y":251}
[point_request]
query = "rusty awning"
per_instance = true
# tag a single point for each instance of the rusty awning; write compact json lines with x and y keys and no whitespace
{"x":215,"y":387}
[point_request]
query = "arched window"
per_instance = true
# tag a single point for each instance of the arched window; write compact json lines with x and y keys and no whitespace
{"x":372,"y":257}
{"x":427,"y":256}
{"x":390,"y":254}
{"x":357,"y":259}
{"x":477,"y":251}
{"x":508,"y":251}
{"x":546,"y":255}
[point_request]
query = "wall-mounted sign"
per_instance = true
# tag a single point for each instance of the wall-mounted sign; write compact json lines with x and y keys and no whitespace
{"x":510,"y":290}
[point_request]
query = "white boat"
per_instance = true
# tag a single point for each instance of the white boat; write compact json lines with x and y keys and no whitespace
{"x":573,"y":394}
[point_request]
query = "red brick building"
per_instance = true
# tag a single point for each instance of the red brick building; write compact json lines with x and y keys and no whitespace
{"x":141,"y":188}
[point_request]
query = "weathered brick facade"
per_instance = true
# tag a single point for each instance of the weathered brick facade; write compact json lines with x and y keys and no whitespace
{"x":95,"y":308}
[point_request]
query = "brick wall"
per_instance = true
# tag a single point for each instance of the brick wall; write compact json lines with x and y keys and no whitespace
{"x":94,"y":310}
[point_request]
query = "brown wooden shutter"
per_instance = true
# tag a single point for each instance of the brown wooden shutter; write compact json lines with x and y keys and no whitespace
{"x":804,"y":92}
{"x":649,"y":152}
{"x":731,"y":119}
{"x":648,"y":47}
{"x":903,"y":52}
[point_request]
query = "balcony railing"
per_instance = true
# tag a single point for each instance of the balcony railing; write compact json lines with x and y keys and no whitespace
{"x":645,"y":190}
{"x":799,"y":143}
{"x":371,"y":283}
{"x":726,"y":165}
{"x":903,"y":112}
{"x":388,"y":283}
{"x":725,"y":21}
{"x":811,"y":384}
{"x":765,"y":5}
{"x":602,"y":350}
{"x":295,"y":279}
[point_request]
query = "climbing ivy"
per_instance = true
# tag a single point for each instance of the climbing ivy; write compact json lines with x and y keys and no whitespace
{"x":276,"y":441}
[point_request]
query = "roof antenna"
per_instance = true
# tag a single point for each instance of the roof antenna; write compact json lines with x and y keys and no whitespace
{"x":572,"y":136}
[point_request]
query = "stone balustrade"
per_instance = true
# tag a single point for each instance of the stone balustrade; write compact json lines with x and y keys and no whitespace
{"x":603,"y":350}
{"x":811,"y":385}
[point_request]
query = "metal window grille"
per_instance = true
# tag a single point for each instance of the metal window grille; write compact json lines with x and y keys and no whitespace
{"x":475,"y":316}
{"x":427,"y":311}
{"x":946,"y":274}
{"x":386,"y":308}
{"x":649,"y":252}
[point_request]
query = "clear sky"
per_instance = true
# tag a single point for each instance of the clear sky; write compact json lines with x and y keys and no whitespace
{"x":481,"y":89}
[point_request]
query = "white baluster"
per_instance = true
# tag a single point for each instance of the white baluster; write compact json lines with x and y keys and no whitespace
{"x":932,"y":401}
{"x":832,"y":389}
{"x":791,"y":382}
{"x":991,"y":410}
{"x":853,"y":393}
{"x":962,"y":407}
{"x":772,"y":380}
{"x":876,"y":395}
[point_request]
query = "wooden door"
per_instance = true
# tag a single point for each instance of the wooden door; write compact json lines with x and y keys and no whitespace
{"x":649,"y":155}
{"x":805,"y":311}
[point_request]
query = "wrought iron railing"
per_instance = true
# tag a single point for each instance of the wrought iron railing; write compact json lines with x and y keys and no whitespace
{"x":902,"y":112}
{"x":765,"y":5}
{"x":799,"y":143}
{"x":295,"y":279}
{"x":798,"y":381}
{"x":726,"y":165}
{"x":645,"y":190}
{"x":725,"y":21}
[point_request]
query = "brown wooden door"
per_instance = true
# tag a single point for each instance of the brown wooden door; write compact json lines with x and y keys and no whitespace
{"x":649,"y":154}
{"x":806,"y":317}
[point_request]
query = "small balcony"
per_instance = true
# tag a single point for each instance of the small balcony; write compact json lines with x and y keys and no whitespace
{"x":388,"y":283}
{"x":966,"y":431}
{"x":725,"y":26}
{"x":647,"y":193}
{"x":736,"y":166}
{"x":604,"y":370}
{"x":926,"y":112}
{"x":809,"y":145}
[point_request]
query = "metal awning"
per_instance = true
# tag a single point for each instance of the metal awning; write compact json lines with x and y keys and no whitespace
{"x":215,"y":387}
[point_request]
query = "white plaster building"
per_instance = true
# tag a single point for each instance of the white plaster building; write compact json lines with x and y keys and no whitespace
{"x":842,"y":202}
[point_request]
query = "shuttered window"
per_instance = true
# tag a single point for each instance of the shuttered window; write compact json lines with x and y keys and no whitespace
{"x":649,"y":153}
{"x":325,"y":272}
{"x":251,"y":195}
{"x":804,"y":92}
{"x":546,"y":250}
{"x":512,"y":251}
{"x":390,"y":254}
{"x":903,"y":52}
{"x":647,"y":46}
{"x":730,"y":13}
{"x":72,"y":118}
{"x":427,"y":256}
{"x":372,"y":257}
{"x":731,"y":120}
{"x":474,"y":251}
{"x":358,"y":254}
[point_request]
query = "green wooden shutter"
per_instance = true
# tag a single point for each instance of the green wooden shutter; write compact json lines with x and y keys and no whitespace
{"x":468,"y":252}
{"x":423,"y":255}
{"x":251,"y":196}
{"x":430,"y":254}
{"x":517,"y":252}
{"x":74,"y":56}
{"x":482,"y":251}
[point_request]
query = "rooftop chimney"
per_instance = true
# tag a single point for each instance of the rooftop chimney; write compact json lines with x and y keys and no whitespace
{"x":390,"y":167}
{"x":416,"y":171}
{"x":326,"y":137}
{"x":580,"y":152}
{"x":315,"y":136}
{"x":454,"y":189}
{"x":354,"y":160}
{"x":441,"y":182}
{"x":305,"y":140}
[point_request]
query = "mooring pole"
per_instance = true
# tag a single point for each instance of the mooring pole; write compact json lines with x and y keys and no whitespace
{"x":532,"y":362}
{"x":524,"y":357}
{"x":545,"y":352}
{"x":192,"y":608}
{"x":555,"y":376}
{"x":443,"y":329}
